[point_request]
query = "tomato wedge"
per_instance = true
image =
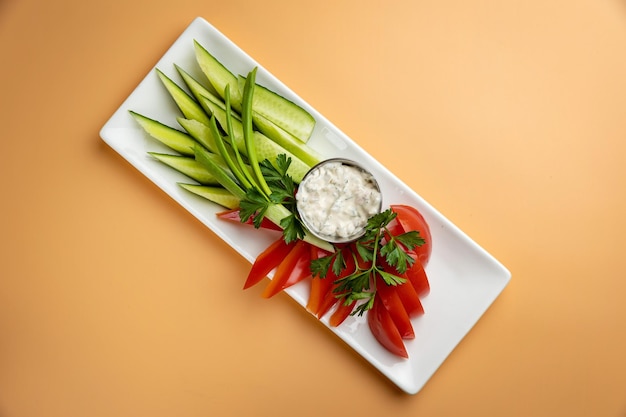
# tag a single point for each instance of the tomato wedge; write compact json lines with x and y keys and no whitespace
{"x":393,"y":304}
{"x":384,"y":330}
{"x":410,"y":299}
{"x":269,"y":259}
{"x":233,"y":216}
{"x":411,"y":219}
{"x":293,"y":268}
{"x":417,"y":276}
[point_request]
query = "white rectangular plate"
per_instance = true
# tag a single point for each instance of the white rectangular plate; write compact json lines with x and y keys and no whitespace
{"x":464,"y":278}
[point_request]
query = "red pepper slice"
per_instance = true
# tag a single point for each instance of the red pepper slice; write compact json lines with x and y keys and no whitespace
{"x":319,"y":286}
{"x":392,"y":302}
{"x":384,"y":329}
{"x":341,"y":313}
{"x":269,"y":259}
{"x":329,"y":298}
{"x":293,"y":268}
{"x":233,"y":216}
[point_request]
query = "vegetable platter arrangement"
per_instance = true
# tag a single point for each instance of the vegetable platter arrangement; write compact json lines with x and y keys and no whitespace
{"x":306,"y":206}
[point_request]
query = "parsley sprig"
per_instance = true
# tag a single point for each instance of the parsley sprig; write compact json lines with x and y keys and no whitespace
{"x":378,"y":253}
{"x":283,"y":191}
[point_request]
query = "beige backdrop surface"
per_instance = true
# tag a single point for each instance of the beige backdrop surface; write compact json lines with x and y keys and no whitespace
{"x":508,"y":116}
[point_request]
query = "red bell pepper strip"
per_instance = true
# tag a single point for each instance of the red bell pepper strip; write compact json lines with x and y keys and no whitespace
{"x":319,"y":286}
{"x":233,"y":216}
{"x":329,"y":298}
{"x":384,"y":329}
{"x":293,"y":268}
{"x":392,"y":302}
{"x":341,"y":313}
{"x":269,"y":259}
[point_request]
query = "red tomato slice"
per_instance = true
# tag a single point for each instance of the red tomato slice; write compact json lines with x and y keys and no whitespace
{"x":417,"y":276}
{"x":411,"y":219}
{"x":410,"y":299}
{"x":293,"y":268}
{"x":392,"y":302}
{"x":233,"y":216}
{"x":384,"y":330}
{"x":269,"y":259}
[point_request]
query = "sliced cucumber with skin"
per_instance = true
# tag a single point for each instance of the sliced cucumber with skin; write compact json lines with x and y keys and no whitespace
{"x":279,"y":110}
{"x":200,"y":132}
{"x":282,"y":112}
{"x":285,"y":139}
{"x":217,"y":195}
{"x":221,"y":174}
{"x":187,"y":166}
{"x":201,"y":91}
{"x":265,"y":147}
{"x":218,"y":75}
{"x":188,"y":106}
{"x":173,"y":138}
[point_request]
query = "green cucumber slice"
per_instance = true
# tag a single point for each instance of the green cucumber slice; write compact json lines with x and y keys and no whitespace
{"x":282,"y":112}
{"x":199,"y":91}
{"x":285,"y":139}
{"x":217,"y":195}
{"x":218,"y":75}
{"x":265,"y":147}
{"x":200,"y":132}
{"x":188,"y":106}
{"x":173,"y":138}
{"x":187,"y":166}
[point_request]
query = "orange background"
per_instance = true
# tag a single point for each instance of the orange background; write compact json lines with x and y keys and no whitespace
{"x":508,"y":116}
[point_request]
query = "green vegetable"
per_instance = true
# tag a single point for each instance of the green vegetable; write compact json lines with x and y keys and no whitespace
{"x":173,"y":138}
{"x":374,"y":248}
{"x":221,"y":144}
{"x":187,"y":105}
{"x":282,"y":112}
{"x":218,"y":75}
{"x":282,"y":189}
{"x":186,"y":165}
{"x":217,"y":195}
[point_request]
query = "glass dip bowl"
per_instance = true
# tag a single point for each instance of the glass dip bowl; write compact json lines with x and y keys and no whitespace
{"x":336,"y":198}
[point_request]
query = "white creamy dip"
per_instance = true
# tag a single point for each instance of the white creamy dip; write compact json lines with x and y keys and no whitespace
{"x":335,"y":200}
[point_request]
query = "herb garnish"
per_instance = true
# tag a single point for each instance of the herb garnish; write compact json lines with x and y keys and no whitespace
{"x":283,"y":191}
{"x":378,"y":253}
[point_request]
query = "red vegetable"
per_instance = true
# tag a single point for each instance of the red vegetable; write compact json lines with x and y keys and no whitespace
{"x":384,"y":330}
{"x":410,"y":219}
{"x":269,"y":259}
{"x":417,"y":276}
{"x":410,"y":299}
{"x":233,"y":216}
{"x":341,"y":313}
{"x":393,"y":304}
{"x":329,"y":299}
{"x":293,"y":268}
{"x":319,"y":286}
